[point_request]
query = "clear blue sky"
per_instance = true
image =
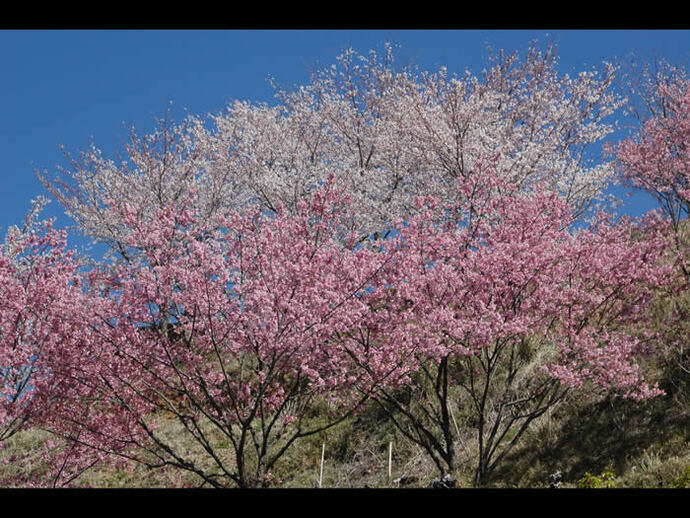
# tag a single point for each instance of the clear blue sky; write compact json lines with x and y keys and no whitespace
{"x":63,"y":87}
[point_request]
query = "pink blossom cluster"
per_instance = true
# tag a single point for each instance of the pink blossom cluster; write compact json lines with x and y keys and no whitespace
{"x":657,"y":159}
{"x":39,"y":294}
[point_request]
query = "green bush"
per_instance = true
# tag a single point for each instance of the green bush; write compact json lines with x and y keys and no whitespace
{"x":605,"y":480}
{"x":682,"y":480}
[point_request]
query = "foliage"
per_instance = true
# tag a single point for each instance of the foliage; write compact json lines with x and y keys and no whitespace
{"x":682,"y":480}
{"x":605,"y":480}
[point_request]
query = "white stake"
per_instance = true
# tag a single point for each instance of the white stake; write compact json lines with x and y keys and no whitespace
{"x":390,"y":460}
{"x":323,"y":452}
{"x":457,"y":430}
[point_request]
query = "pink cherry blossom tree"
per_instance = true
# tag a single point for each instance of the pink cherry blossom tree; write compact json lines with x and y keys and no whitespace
{"x":42,"y":318}
{"x":228,"y":332}
{"x":38,"y":286}
{"x":502,"y":309}
{"x":656,"y":160}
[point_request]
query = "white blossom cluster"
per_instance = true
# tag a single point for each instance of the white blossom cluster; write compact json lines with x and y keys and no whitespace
{"x":16,"y":237}
{"x":387,"y":135}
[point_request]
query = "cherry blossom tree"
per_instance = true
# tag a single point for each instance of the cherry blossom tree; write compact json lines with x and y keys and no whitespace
{"x":503,"y":310}
{"x":228,"y":332}
{"x":42,"y":323}
{"x":38,"y":287}
{"x":656,"y":160}
{"x":389,"y":135}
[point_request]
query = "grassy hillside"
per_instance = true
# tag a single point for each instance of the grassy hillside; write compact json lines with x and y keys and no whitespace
{"x":645,"y":445}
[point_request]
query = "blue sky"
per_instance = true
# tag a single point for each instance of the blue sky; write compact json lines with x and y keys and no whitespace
{"x":64,"y":87}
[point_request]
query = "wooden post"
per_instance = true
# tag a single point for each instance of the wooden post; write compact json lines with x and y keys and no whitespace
{"x":323,"y":452}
